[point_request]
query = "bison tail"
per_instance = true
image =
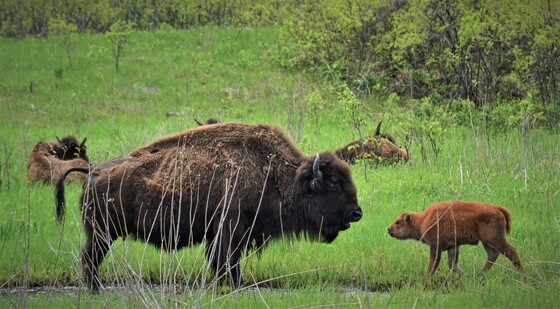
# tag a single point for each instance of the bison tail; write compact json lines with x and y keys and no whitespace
{"x":59,"y":191}
{"x":507,"y":215}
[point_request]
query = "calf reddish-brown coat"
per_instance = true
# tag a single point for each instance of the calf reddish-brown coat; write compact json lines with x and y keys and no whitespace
{"x":232,"y":186}
{"x":44,"y":166}
{"x":447,"y":225}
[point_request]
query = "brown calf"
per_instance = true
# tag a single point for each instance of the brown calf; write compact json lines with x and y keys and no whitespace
{"x":447,"y":225}
{"x":46,"y":167}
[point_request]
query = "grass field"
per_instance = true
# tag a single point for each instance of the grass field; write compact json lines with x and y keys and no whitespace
{"x":168,"y":78}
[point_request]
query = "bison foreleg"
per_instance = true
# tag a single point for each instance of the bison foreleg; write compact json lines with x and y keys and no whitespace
{"x":435,"y":257}
{"x":453,"y":260}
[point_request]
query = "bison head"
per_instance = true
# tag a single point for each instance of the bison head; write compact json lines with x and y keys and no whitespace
{"x":327,"y":195}
{"x":403,"y":228}
{"x":69,"y":148}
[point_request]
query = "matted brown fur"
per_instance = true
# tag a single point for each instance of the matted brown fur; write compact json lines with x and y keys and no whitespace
{"x":376,"y":147}
{"x":233,"y":186}
{"x":44,"y":166}
{"x":447,"y":225}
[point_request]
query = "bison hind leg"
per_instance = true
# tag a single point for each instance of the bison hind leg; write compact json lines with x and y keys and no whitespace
{"x":510,"y":252}
{"x":492,"y":253}
{"x":92,"y":255}
{"x":453,"y":260}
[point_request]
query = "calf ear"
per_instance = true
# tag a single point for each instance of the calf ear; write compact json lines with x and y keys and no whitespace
{"x":407,"y":218}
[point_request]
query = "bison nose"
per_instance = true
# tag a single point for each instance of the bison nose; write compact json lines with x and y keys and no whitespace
{"x":355,"y":215}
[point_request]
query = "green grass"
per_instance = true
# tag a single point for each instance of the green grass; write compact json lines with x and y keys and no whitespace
{"x":214,"y":71}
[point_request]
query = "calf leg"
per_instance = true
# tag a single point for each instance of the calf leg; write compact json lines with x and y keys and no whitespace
{"x":499,"y":245}
{"x":510,"y":252}
{"x":453,"y":260}
{"x":435,"y":257}
{"x":492,"y":253}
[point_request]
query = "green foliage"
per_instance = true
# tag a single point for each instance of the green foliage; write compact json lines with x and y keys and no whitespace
{"x":190,"y":72}
{"x":482,"y":51}
{"x":65,"y":30}
{"x":119,"y":35}
{"x":351,"y":109}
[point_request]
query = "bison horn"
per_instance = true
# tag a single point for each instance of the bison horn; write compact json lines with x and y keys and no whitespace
{"x":316,"y":163}
{"x":316,"y":182}
{"x":83,"y":142}
{"x":378,"y":130}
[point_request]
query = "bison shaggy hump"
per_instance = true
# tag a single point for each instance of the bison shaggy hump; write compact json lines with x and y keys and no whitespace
{"x":232,"y":186}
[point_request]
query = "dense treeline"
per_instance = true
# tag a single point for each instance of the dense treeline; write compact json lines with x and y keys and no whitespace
{"x":501,"y":55}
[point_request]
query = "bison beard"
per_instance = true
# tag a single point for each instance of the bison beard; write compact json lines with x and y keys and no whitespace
{"x":233,"y":186}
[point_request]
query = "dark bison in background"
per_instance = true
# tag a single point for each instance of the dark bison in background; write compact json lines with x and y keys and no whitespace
{"x":208,"y":121}
{"x":68,"y":148}
{"x":47,"y":161}
{"x":379,"y":148}
{"x":231,"y":185}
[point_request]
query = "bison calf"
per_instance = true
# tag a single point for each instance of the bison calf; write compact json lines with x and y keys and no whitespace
{"x":447,"y":225}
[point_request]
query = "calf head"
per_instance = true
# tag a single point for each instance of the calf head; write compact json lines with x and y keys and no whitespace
{"x":403,"y":227}
{"x":69,"y":148}
{"x":327,"y":195}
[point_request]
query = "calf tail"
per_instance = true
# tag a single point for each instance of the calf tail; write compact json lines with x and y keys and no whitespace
{"x":59,"y":191}
{"x":507,"y":215}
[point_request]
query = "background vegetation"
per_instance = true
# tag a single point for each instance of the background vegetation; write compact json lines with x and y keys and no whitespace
{"x":60,"y":77}
{"x":501,"y":56}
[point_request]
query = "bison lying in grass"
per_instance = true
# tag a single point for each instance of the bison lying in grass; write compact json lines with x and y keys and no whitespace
{"x":379,"y":147}
{"x":47,"y":161}
{"x":446,"y":226}
{"x":232,"y":186}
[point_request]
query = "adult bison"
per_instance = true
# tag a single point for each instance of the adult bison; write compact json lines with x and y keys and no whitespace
{"x":47,"y":161}
{"x":233,"y":186}
{"x":379,"y":147}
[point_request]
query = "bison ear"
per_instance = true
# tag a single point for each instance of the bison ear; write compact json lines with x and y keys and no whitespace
{"x":58,"y":139}
{"x":407,"y":218}
{"x":317,"y":181}
{"x":378,"y":129}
